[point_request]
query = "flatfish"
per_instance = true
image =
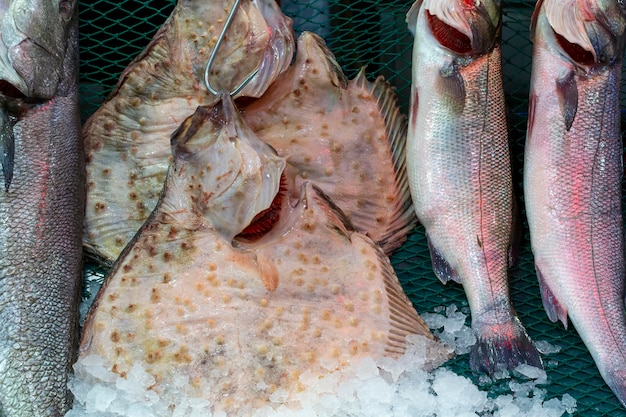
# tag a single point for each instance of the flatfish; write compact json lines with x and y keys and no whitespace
{"x":237,"y":315}
{"x":127,"y":138}
{"x":345,"y":136}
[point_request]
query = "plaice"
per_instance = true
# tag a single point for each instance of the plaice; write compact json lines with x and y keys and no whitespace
{"x":241,"y":319}
{"x":347,"y":137}
{"x":127,"y":138}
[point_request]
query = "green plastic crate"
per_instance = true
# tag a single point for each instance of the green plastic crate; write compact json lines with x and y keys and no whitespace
{"x":373,"y":34}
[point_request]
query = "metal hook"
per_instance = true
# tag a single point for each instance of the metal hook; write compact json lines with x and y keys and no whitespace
{"x":209,"y":64}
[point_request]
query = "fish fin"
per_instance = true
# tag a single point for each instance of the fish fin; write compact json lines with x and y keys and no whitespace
{"x":268,"y":270}
{"x":450,"y":84}
{"x":402,"y":218}
{"x":340,"y":222}
{"x":502,"y":346}
{"x":554,"y":309}
{"x":535,"y":16}
{"x":404,"y":320}
{"x":7,"y":148}
{"x":336,"y":75}
{"x":532,"y":105}
{"x":442,"y":268}
{"x":516,"y":235}
{"x":567,"y":92}
{"x":411,"y":16}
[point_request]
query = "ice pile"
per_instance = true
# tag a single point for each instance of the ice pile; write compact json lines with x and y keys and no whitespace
{"x":370,"y":388}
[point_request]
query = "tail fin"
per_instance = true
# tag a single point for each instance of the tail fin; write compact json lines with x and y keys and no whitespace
{"x":502,"y":346}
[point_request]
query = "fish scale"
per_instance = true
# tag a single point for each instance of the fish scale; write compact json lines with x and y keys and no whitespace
{"x":460,"y":173}
{"x":41,"y":212}
{"x":572,"y":179}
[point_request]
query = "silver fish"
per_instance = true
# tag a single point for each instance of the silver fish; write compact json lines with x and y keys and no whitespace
{"x":240,"y":317}
{"x":459,"y":168}
{"x":127,"y":138}
{"x":347,"y":137}
{"x":573,"y":172}
{"x":41,"y":205}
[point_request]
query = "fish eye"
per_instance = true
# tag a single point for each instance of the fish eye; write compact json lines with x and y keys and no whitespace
{"x":65,"y":8}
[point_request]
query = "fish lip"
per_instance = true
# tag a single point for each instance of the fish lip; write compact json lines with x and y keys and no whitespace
{"x":8,"y":90}
{"x":474,"y":21}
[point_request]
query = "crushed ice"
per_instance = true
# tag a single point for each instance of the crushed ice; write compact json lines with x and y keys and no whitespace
{"x":383,"y":387}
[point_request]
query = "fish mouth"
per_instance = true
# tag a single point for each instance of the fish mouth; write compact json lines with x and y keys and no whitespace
{"x":9,"y":90}
{"x":265,"y":220}
{"x":465,"y":28}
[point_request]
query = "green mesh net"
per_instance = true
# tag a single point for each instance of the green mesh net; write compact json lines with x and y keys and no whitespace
{"x":373,"y":34}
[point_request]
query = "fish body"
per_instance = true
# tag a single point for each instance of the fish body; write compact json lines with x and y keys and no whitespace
{"x":573,"y":172}
{"x":242,"y":318}
{"x":127,"y":138}
{"x":459,"y":168}
{"x":345,"y":136}
{"x":41,"y":206}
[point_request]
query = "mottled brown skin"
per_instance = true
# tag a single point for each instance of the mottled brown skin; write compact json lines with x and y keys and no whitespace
{"x":40,"y":240}
{"x":239,"y":319}
{"x":347,"y":137}
{"x":127,"y":138}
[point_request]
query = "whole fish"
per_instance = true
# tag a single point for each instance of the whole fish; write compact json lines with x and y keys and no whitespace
{"x":240,"y":314}
{"x":573,"y":172}
{"x":41,"y":205}
{"x":127,"y":138}
{"x":459,"y":168}
{"x":347,"y":137}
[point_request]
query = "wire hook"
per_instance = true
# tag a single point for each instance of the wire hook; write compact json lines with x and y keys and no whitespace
{"x":209,"y":64}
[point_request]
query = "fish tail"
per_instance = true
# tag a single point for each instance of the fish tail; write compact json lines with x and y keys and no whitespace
{"x":502,"y":346}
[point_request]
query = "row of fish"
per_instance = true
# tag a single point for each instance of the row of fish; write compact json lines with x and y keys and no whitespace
{"x":460,"y":173}
{"x":248,"y":234}
{"x":230,"y":254}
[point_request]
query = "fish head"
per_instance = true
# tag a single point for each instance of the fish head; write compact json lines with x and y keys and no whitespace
{"x":260,"y":38}
{"x":279,"y":52}
{"x":465,"y":27}
{"x":222,"y":172}
{"x":588,"y":33}
{"x":33,"y":45}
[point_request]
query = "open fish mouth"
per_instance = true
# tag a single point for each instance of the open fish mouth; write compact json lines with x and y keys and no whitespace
{"x":265,"y":221}
{"x":9,"y":90}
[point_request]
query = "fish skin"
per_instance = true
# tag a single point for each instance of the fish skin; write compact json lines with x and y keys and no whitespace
{"x":237,"y":317}
{"x":41,"y":211}
{"x":346,"y":136}
{"x":459,"y":169}
{"x":573,"y":172}
{"x":127,"y":138}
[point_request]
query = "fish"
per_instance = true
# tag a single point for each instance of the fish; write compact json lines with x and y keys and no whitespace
{"x":573,"y":173}
{"x":240,"y":311}
{"x":459,"y":169}
{"x":41,"y":206}
{"x":127,"y":139}
{"x":346,"y":136}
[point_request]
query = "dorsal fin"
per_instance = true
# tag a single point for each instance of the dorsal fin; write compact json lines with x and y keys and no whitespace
{"x":403,"y":218}
{"x":403,"y":318}
{"x":411,"y":16}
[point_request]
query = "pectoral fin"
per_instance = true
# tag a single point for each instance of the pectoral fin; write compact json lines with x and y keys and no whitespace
{"x":567,"y":92}
{"x":442,"y":268}
{"x":268,"y":271}
{"x":450,"y":85}
{"x":7,"y":147}
{"x":554,"y":309}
